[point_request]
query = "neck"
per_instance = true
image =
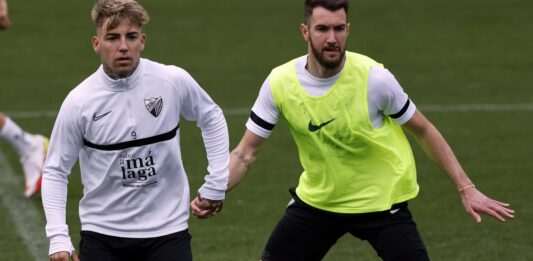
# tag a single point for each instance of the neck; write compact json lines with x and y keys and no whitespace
{"x":115,"y":75}
{"x":318,"y":70}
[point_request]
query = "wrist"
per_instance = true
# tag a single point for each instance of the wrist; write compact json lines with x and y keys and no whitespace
{"x":469,"y":186}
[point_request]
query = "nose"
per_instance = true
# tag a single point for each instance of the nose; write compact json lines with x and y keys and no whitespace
{"x":330,"y":37}
{"x":123,"y":47}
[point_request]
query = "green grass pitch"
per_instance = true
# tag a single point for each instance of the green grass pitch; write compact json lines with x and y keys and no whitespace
{"x":443,"y":53}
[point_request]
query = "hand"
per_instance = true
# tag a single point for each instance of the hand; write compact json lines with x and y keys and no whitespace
{"x":64,"y":256}
{"x":474,"y":202}
{"x":205,"y":208}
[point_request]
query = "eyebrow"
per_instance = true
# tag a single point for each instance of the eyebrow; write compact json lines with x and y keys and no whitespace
{"x":118,"y":34}
{"x":331,"y":25}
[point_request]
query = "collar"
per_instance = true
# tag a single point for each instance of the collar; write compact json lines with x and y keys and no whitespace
{"x":122,"y":84}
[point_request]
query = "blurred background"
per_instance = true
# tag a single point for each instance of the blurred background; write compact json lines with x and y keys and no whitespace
{"x":466,"y":64}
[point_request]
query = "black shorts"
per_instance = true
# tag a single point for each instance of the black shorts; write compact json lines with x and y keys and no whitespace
{"x":99,"y":247}
{"x":307,"y":233}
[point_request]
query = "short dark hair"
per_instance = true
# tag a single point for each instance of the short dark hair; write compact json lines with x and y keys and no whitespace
{"x":332,"y":5}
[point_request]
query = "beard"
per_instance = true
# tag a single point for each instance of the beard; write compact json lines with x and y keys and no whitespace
{"x":328,"y":64}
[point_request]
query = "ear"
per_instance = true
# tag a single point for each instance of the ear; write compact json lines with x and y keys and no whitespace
{"x":347,"y":29}
{"x":305,"y":32}
{"x":96,"y":44}
{"x":143,"y":40}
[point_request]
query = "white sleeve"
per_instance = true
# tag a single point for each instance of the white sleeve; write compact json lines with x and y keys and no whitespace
{"x":387,"y":97}
{"x":198,"y":106}
{"x":65,"y":145}
{"x":265,"y":114}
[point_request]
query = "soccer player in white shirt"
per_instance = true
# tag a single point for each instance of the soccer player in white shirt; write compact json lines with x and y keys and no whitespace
{"x":122,"y":123}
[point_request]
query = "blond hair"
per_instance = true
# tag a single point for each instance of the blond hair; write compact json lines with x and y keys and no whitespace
{"x":107,"y":14}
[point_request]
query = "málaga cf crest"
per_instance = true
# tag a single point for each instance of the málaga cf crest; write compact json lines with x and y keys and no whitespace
{"x":154,"y":105}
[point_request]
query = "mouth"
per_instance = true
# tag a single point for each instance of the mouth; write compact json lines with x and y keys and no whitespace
{"x":332,"y":49}
{"x":123,"y":59}
{"x":331,"y":52}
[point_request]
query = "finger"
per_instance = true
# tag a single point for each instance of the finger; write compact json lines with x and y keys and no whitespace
{"x":194,"y":206}
{"x":493,"y":214}
{"x":506,"y":212}
{"x":220,"y":207}
{"x":201,"y":213}
{"x":501,"y":203}
{"x":505,"y":209}
{"x":203,"y":204}
{"x":196,"y":211}
{"x":474,"y":215}
{"x":75,"y":256}
{"x":200,"y":205}
{"x":502,"y":210}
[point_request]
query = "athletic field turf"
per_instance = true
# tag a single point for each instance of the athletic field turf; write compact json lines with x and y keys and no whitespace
{"x":466,"y":64}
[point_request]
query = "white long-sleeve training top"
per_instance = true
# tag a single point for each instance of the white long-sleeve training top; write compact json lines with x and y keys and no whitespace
{"x":126,"y":135}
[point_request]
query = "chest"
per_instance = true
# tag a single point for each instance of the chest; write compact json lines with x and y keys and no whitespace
{"x":115,"y":117}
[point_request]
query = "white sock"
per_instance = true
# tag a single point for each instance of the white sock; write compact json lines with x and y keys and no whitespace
{"x":20,"y":140}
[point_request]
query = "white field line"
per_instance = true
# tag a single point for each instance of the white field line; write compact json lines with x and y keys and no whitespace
{"x":26,"y":217}
{"x":423,"y":108}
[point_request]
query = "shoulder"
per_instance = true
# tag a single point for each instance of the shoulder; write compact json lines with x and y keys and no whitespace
{"x":383,"y":86}
{"x":360,"y":59}
{"x":285,"y":73}
{"x":380,"y":76}
{"x":290,"y":65}
{"x":80,"y":94}
{"x":152,"y":67}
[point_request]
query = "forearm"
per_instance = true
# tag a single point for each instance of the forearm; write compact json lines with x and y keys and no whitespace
{"x":437,"y":149}
{"x":63,"y":152}
{"x":441,"y":153}
{"x":216,"y":140}
{"x":242,"y":157}
{"x":54,"y":198}
{"x":239,"y":165}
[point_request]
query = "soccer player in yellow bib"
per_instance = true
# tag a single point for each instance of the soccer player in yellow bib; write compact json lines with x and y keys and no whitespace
{"x":346,"y":113}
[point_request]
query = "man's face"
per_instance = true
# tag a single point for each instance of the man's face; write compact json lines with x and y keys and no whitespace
{"x":119,"y":48}
{"x":326,"y":33}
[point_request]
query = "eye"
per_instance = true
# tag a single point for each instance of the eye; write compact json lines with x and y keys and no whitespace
{"x":322,"y":28}
{"x":133,"y":36}
{"x":112,"y":38}
{"x":340,"y":28}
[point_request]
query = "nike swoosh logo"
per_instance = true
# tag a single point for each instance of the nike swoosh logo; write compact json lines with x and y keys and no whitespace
{"x":95,"y":117}
{"x":313,"y":128}
{"x":392,"y":211}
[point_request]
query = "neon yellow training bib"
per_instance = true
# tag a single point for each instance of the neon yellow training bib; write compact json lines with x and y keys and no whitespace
{"x":349,"y":166}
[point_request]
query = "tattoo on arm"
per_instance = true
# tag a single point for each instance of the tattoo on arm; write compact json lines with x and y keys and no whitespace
{"x":242,"y":158}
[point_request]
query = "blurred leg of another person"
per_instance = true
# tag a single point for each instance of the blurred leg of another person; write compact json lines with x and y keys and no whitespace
{"x":31,"y":149}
